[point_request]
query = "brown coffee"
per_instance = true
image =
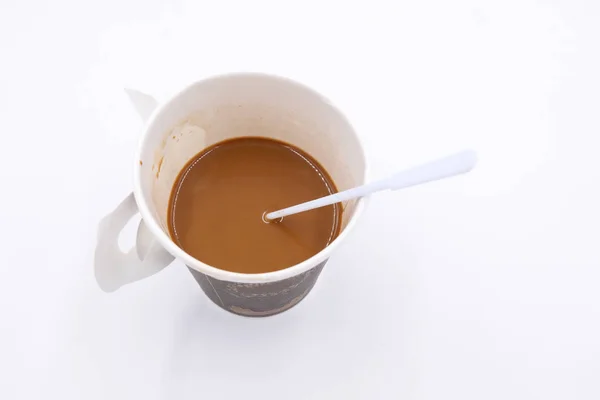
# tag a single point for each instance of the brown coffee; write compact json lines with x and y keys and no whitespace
{"x":218,"y":199}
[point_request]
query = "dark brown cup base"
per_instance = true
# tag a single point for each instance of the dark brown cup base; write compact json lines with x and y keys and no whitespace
{"x":258,"y":299}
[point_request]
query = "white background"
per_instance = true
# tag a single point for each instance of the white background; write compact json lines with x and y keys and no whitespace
{"x":482,"y":287}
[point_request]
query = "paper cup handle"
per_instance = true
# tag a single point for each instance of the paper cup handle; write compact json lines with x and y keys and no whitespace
{"x":114,"y":268}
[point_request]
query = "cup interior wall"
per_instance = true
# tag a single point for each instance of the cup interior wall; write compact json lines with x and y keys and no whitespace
{"x":244,"y":105}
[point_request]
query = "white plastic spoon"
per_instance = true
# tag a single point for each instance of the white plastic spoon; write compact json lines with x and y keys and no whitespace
{"x":439,"y":169}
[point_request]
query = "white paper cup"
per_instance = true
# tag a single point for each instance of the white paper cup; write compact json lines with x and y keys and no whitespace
{"x":207,"y":112}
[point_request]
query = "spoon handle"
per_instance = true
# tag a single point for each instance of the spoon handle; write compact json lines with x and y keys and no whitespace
{"x":446,"y":167}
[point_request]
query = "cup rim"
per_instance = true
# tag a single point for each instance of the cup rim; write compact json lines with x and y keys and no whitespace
{"x":169,"y":245}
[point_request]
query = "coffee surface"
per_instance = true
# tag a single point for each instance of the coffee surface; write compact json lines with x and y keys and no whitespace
{"x":218,"y":200}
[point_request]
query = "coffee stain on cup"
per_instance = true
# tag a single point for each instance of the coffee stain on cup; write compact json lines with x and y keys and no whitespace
{"x":160,"y":162}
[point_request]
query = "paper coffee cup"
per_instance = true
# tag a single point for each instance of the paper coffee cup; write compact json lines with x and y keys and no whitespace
{"x":204,"y":113}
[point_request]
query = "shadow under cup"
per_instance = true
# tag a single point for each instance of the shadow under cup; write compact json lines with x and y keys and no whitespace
{"x":239,"y":105}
